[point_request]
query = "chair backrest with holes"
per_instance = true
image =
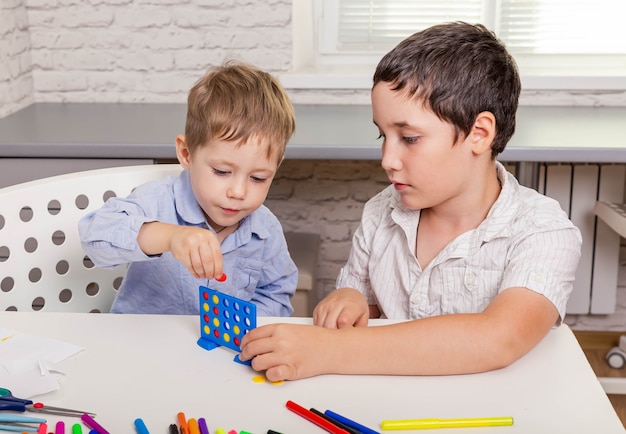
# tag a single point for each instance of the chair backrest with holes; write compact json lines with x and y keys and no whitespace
{"x":42,"y":264}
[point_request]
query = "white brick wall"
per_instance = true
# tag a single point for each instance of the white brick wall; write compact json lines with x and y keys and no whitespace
{"x":154,"y":50}
{"x":325,"y":197}
{"x":16,"y":81}
{"x":147,"y":50}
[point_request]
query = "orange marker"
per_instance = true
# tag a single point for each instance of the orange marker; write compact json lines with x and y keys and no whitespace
{"x":193,"y":426}
{"x":182,"y":421}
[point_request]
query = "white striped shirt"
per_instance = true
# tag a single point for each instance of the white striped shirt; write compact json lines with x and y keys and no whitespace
{"x":525,"y":241}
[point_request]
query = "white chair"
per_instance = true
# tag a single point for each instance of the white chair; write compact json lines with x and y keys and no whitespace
{"x":42,"y":264}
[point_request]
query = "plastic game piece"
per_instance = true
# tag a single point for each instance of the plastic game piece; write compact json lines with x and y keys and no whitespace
{"x":222,"y":278}
{"x":224,"y":319}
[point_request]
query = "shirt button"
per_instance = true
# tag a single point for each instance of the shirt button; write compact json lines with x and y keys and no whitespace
{"x":537,"y":277}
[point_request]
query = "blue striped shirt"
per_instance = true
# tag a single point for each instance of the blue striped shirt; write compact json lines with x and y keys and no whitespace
{"x":256,"y":258}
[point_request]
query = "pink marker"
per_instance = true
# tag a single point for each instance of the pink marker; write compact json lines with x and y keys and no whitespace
{"x":59,"y":428}
{"x":43,"y":429}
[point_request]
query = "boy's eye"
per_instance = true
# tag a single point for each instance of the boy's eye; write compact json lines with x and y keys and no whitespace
{"x":380,"y":136}
{"x":411,"y":139}
{"x":258,"y":179}
{"x":220,"y":172}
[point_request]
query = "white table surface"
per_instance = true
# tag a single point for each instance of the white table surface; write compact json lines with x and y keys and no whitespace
{"x":151,"y":367}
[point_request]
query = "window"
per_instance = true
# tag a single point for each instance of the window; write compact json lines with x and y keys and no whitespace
{"x":575,"y":43}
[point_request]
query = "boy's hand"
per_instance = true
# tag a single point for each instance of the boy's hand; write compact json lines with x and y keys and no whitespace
{"x":198,"y":250}
{"x":344,"y":307}
{"x":288,"y":351}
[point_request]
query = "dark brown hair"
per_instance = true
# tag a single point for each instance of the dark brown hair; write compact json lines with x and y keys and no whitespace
{"x":457,"y":70}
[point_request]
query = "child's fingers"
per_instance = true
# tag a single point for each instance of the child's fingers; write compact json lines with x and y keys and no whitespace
{"x":256,"y":341}
{"x":328,"y":317}
{"x":280,"y":373}
{"x":196,"y":264}
{"x":212,"y":256}
{"x":277,"y":365}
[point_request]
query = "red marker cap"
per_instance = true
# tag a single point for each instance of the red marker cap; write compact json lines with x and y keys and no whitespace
{"x":222,"y":278}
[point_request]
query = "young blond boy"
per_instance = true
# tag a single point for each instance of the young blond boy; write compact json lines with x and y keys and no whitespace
{"x":183,"y":232}
{"x":479,"y":266}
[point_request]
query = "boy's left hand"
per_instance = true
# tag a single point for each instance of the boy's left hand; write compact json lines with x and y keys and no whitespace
{"x":288,"y":351}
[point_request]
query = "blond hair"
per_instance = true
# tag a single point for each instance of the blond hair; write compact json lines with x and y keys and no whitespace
{"x":237,"y":102}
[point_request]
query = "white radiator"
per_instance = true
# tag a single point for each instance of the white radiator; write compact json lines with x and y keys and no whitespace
{"x":577,"y":187}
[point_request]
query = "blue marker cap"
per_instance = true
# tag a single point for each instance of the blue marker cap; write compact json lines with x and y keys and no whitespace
{"x":141,"y":427}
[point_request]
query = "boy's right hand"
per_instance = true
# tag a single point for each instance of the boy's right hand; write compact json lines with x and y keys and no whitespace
{"x":196,"y":248}
{"x":344,"y":307}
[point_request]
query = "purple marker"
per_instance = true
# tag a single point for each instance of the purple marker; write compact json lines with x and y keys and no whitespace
{"x":91,"y":423}
{"x":202,"y":425}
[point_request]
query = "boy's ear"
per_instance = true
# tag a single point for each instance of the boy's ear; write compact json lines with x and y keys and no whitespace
{"x":182,"y":151}
{"x":483,"y":132}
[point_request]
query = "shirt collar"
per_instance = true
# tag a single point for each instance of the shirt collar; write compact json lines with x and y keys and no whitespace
{"x":497,"y":222}
{"x":495,"y":225}
{"x":187,"y":206}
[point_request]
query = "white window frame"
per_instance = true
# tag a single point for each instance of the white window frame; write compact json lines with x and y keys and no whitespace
{"x":315,"y":70}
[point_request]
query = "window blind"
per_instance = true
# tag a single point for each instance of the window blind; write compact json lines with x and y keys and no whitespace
{"x":377,"y":25}
{"x":525,"y":26}
{"x":562,"y":26}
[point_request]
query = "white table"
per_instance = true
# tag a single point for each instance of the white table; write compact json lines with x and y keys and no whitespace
{"x":151,"y":367}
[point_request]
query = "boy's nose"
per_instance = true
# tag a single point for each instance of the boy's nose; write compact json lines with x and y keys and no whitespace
{"x":237,"y":190}
{"x":390,"y":159}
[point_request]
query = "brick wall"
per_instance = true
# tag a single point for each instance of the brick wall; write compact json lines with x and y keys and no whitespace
{"x":153,"y":51}
{"x":150,"y":50}
{"x":325,"y":197}
{"x":16,"y":81}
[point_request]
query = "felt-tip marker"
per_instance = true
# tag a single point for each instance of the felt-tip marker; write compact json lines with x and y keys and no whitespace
{"x":91,"y":423}
{"x":173,"y":428}
{"x":204,"y":429}
{"x":141,"y":427}
{"x":362,"y":428}
{"x":335,"y":422}
{"x":192,"y":425}
{"x":408,"y":424}
{"x":317,"y":420}
{"x":182,"y":422}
